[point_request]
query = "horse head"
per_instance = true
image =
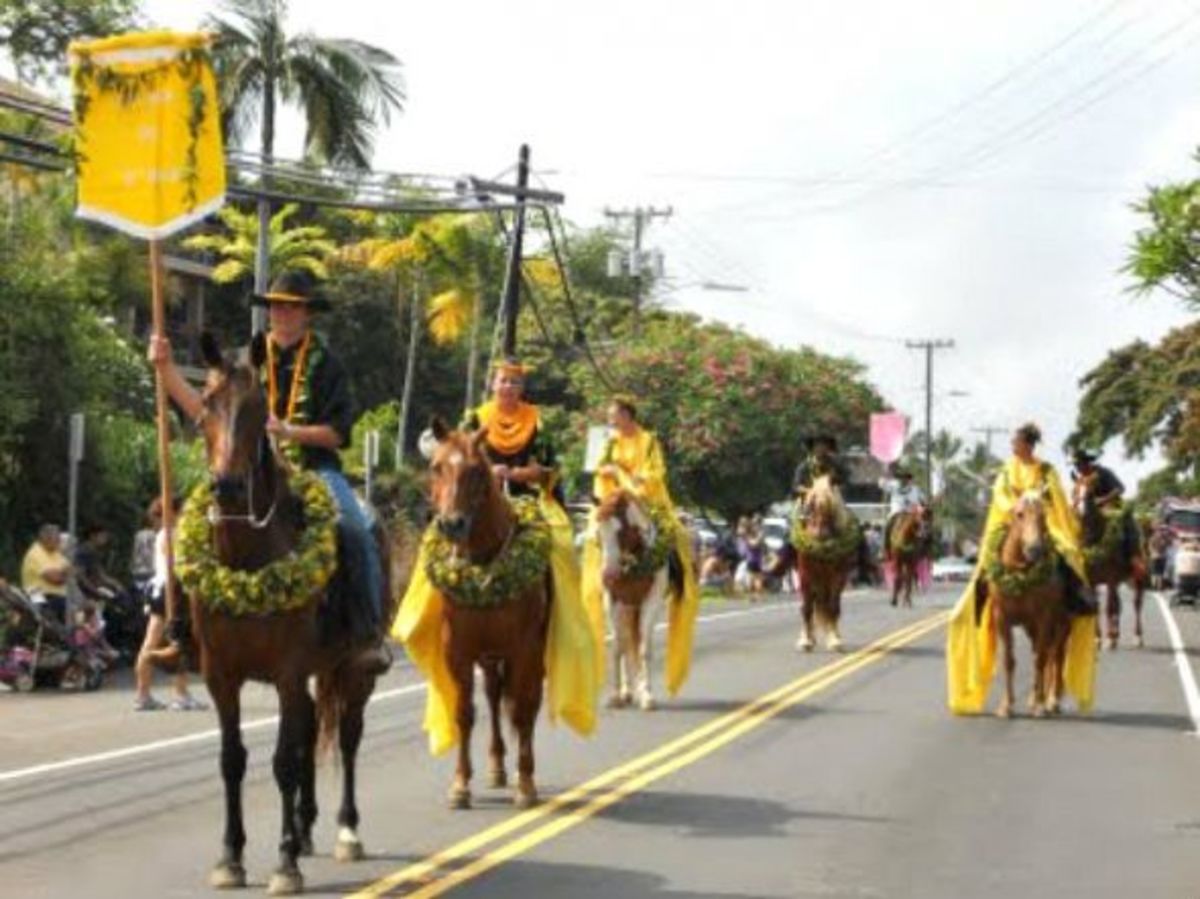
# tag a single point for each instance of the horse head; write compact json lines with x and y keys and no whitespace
{"x":233,"y":421}
{"x":624,"y":529}
{"x":461,"y":480}
{"x":1029,"y":528}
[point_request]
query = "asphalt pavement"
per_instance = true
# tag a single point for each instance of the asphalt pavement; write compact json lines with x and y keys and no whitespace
{"x":773,"y":774}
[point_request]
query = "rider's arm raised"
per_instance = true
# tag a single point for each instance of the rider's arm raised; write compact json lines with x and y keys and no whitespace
{"x":183,"y":393}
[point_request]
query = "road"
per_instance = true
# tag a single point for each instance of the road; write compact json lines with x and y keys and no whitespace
{"x":774,"y":774}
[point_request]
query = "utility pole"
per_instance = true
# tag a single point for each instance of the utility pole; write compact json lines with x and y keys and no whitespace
{"x":987,"y":431}
{"x":929,"y":346}
{"x":510,"y":303}
{"x":635,"y":263}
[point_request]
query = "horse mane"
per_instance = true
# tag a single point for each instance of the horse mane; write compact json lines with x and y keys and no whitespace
{"x":824,"y":496}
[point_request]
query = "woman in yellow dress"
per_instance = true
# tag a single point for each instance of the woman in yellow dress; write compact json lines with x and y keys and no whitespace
{"x":971,"y":646}
{"x":633,"y":460}
{"x":523,"y":461}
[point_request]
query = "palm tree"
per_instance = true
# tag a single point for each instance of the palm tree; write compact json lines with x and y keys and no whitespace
{"x":288,"y":249}
{"x":344,"y":87}
{"x":437,"y":250}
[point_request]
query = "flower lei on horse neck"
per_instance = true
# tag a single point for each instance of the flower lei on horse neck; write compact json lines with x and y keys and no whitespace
{"x":285,"y":585}
{"x":1109,"y":545}
{"x":838,"y":547}
{"x":655,"y":554}
{"x":1015,"y":581}
{"x":525,"y":559}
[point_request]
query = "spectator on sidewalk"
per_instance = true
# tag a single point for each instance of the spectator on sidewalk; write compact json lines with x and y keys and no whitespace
{"x":46,"y":572}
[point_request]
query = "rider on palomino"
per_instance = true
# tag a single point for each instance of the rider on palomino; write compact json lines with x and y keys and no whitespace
{"x":1107,"y":490}
{"x":822,"y":459}
{"x":311,"y":416}
{"x":523,"y":461}
{"x":903,"y":495}
{"x":633,"y":460}
{"x":1021,"y":474}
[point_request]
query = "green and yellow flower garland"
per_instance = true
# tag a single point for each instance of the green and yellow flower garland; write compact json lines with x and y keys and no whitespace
{"x":839,"y":547}
{"x":1015,"y":581}
{"x":653,"y":557}
{"x":284,"y":585}
{"x":503,"y":578}
{"x":1110,"y":542}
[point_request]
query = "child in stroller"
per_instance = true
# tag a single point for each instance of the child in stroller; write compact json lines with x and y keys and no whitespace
{"x":37,"y":650}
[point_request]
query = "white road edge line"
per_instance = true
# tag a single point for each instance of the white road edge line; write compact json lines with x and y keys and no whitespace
{"x":259,"y":723}
{"x":1187,"y":677}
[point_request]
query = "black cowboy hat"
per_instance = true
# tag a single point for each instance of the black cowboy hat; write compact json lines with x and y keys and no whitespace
{"x":828,"y":439}
{"x":1084,"y":457}
{"x":293,"y":287}
{"x":901,"y":472}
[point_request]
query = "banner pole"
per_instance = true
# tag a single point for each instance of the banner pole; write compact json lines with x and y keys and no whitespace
{"x":164,"y":430}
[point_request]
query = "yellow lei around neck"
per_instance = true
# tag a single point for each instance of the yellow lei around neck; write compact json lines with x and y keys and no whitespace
{"x":509,"y":432}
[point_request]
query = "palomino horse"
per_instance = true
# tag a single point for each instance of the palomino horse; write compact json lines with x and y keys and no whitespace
{"x":506,"y":639}
{"x":908,"y":538}
{"x":634,"y":594}
{"x":256,"y":520}
{"x":826,"y":552}
{"x":1109,"y":565}
{"x":1039,"y":606}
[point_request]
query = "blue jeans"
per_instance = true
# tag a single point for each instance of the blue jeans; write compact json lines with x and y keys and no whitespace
{"x":365,"y":577}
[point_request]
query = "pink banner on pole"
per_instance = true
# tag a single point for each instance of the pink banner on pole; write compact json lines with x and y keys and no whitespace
{"x":888,"y":432}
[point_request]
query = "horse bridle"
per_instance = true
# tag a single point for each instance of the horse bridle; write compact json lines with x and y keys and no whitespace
{"x":215,"y":516}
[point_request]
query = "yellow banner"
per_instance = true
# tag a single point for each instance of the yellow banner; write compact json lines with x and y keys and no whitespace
{"x":148,"y":132}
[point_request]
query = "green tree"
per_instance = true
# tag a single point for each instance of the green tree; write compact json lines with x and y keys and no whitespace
{"x":36,"y":33}
{"x":304,"y":247}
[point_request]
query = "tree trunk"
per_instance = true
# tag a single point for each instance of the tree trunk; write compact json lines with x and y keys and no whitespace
{"x":473,"y":348}
{"x":262,"y":253}
{"x":414,"y":329}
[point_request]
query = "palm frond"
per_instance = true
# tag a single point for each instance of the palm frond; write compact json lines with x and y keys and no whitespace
{"x":449,"y":315}
{"x":230,"y":270}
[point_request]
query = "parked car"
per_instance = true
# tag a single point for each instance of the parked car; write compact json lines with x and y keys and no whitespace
{"x":776,"y":532}
{"x":952,"y":570}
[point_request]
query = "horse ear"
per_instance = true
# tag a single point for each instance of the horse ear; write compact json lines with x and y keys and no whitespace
{"x":258,"y":349}
{"x":440,"y":429}
{"x":210,"y":350}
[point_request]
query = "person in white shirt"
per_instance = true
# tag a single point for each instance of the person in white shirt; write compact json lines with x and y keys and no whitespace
{"x":903,"y":495}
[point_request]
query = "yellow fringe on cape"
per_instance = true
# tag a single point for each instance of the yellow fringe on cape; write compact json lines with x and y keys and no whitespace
{"x":572,"y":648}
{"x":971,"y":657}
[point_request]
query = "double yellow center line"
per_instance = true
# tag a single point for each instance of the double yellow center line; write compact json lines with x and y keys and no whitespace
{"x":437,"y":874}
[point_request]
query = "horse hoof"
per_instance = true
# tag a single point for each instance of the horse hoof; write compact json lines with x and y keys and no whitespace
{"x":804,"y":644}
{"x":498,"y":779}
{"x":619,"y":701}
{"x":460,"y":798}
{"x":227,"y":876}
{"x":1005,"y":711}
{"x":834,"y":644}
{"x":526,"y":798}
{"x":348,"y":851}
{"x":647,"y":703}
{"x":1038,"y":711}
{"x":1140,"y":642}
{"x":285,"y":883}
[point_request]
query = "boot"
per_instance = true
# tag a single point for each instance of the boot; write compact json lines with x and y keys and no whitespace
{"x":374,"y":657}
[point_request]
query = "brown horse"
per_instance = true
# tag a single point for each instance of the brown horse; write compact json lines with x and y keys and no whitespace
{"x":256,"y":520}
{"x":1041,"y":609}
{"x":508,"y":639}
{"x":908,"y":539}
{"x":1111,"y":568}
{"x":635,"y":599}
{"x":824,"y":570}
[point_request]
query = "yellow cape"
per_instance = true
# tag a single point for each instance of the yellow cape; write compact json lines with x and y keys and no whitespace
{"x":641,"y":470}
{"x":971,"y":649}
{"x":572,"y":682}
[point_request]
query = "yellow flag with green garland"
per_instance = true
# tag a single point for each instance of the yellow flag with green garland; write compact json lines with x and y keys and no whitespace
{"x":148,"y":132}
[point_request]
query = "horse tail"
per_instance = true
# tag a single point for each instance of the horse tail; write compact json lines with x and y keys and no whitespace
{"x":329,"y":709}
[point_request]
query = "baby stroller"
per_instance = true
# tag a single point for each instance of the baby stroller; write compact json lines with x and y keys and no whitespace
{"x":38,"y":651}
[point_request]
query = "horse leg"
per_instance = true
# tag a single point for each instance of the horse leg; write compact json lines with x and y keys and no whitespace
{"x":348,"y":847}
{"x":287,"y":763}
{"x":1139,"y":590}
{"x":229,"y":873}
{"x":1112,"y":609}
{"x":306,"y":810}
{"x":805,"y":641}
{"x":623,"y":650}
{"x":526,"y":692}
{"x":462,"y":669}
{"x":833,"y":612}
{"x":1039,"y":637}
{"x":910,"y":580}
{"x":648,"y":619}
{"x":493,"y":685}
{"x":1004,"y":631}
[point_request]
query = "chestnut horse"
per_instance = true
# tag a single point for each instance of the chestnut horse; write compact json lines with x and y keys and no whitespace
{"x":635,"y":600}
{"x":508,"y":639}
{"x":1111,"y":568}
{"x":823,"y":572}
{"x":1041,"y":609}
{"x":256,"y":520}
{"x":909,"y":539}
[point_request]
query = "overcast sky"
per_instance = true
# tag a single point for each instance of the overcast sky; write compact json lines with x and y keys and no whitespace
{"x":873,"y":171}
